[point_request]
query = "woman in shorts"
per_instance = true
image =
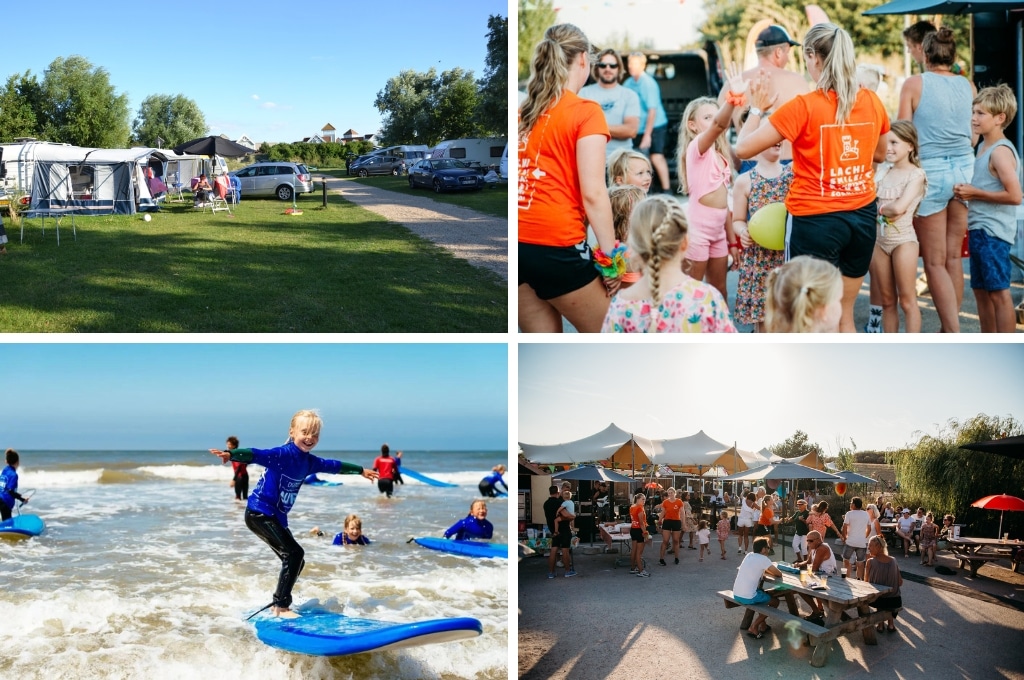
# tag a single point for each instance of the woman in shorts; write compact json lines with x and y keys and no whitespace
{"x":562,"y":140}
{"x":837,"y":131}
{"x":749,"y":514}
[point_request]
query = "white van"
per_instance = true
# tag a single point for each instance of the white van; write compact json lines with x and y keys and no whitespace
{"x":503,"y":166}
{"x":473,"y":152}
{"x":410,"y":153}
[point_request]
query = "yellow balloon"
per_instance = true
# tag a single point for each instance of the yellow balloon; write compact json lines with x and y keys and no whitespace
{"x":768,"y":226}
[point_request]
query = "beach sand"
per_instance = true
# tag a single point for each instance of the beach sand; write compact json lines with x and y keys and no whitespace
{"x":606,"y":623}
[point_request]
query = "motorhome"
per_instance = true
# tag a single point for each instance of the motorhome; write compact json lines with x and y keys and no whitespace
{"x":482,"y":152}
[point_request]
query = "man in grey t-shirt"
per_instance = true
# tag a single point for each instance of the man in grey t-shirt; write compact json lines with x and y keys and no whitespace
{"x":621,"y":105}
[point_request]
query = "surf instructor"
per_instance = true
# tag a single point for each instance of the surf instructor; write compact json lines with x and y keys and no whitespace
{"x":387,"y":468}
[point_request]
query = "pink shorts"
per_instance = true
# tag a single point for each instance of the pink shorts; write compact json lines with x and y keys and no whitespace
{"x":707,"y":232}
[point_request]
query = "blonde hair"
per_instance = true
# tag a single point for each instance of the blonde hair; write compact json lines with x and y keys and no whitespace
{"x":998,"y":99}
{"x":477,"y":502}
{"x":658,"y":229}
{"x":549,"y":71}
{"x":797,"y":290}
{"x":868,"y":77}
{"x":353,"y":520}
{"x":703,"y":524}
{"x":686,"y":135}
{"x":618,"y":164}
{"x":623,"y":198}
{"x":839,"y":66}
{"x":311,"y":415}
{"x":881,"y":543}
{"x":905,"y":130}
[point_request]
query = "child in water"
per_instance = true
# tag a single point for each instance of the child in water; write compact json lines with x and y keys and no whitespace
{"x":266,"y":514}
{"x":474,"y":525}
{"x":489,"y":485}
{"x":351,"y":534}
{"x":9,"y":485}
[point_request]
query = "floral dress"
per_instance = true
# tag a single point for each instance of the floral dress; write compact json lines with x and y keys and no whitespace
{"x":929,"y":534}
{"x":820,"y":522}
{"x":691,"y":307}
{"x":755,"y":261}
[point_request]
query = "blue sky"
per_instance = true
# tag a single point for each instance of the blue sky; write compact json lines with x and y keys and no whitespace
{"x":183,"y":396}
{"x":759,"y":395}
{"x":275,"y":71}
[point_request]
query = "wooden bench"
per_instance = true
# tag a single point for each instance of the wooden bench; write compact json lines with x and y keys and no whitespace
{"x":973,"y":561}
{"x":788,"y":619}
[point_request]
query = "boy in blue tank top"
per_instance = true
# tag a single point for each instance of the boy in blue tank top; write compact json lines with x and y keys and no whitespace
{"x":993,"y":197}
{"x":266,"y":514}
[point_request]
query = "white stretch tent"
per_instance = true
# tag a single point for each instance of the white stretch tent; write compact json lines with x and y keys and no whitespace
{"x":689,"y":451}
{"x":598,"y":446}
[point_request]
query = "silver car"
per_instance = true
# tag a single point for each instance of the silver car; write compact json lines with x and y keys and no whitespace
{"x":274,"y":178}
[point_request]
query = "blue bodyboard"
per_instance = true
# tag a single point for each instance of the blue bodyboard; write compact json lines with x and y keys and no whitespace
{"x":323,"y":633}
{"x":423,"y":478}
{"x":22,"y":526}
{"x":468,"y":548}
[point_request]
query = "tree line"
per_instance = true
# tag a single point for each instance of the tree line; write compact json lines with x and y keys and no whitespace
{"x":75,"y":103}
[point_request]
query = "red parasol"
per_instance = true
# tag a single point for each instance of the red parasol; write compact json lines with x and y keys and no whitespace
{"x":652,"y":485}
{"x":1001,"y":502}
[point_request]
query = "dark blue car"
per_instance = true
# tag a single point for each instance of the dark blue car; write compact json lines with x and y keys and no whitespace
{"x":445,"y":174}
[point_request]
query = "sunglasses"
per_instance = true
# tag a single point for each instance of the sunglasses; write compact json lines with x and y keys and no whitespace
{"x":604,"y":65}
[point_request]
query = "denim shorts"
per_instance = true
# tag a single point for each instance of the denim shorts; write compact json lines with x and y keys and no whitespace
{"x":942,"y":174}
{"x":990,"y":261}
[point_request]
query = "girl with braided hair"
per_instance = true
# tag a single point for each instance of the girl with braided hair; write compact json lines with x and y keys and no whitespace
{"x":665,"y":299}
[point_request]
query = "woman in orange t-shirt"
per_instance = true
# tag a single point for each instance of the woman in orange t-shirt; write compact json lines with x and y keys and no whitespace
{"x":671,"y":524}
{"x":837,"y":132}
{"x":638,"y":535}
{"x":562,"y":142}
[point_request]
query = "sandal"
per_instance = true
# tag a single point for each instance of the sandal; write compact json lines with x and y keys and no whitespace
{"x":756,"y":636}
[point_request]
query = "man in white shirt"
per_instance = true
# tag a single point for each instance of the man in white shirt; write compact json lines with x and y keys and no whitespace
{"x":746,"y":588}
{"x":856,"y":525}
{"x":621,"y":105}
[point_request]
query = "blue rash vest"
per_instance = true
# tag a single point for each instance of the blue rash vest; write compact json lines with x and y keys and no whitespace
{"x":494,"y":479}
{"x":8,"y":485}
{"x":470,"y":527}
{"x":343,"y":539}
{"x":286,"y":468}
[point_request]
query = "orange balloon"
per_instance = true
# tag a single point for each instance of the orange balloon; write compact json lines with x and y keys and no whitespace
{"x":841,"y":488}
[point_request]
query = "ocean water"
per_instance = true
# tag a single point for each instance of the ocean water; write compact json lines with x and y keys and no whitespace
{"x":147,"y":570}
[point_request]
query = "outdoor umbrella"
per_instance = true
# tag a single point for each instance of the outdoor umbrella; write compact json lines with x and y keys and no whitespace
{"x":1008,"y":446}
{"x":782,"y":469}
{"x":593,"y":473}
{"x":212,"y":146}
{"x":1002,"y":503}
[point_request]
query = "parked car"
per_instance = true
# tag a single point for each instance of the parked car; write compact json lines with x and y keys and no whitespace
{"x":377,"y":165}
{"x":274,"y":178}
{"x":445,"y":174}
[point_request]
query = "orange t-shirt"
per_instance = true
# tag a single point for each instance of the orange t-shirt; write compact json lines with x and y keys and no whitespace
{"x":672,"y":508}
{"x":639,"y":517}
{"x":550,"y":201}
{"x":832,"y":164}
{"x":767,"y":514}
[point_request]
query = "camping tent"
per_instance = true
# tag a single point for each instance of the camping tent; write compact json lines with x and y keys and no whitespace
{"x":603,"y":445}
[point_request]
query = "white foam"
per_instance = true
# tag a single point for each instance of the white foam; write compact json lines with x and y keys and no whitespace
{"x":46,"y":478}
{"x":209,"y":473}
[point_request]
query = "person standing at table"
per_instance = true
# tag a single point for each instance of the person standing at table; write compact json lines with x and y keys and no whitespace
{"x":562,"y":190}
{"x":746,"y":589}
{"x":856,"y":525}
{"x":939,"y":102}
{"x":650,"y":139}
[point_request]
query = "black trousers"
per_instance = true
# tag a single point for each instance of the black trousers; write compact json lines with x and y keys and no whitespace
{"x":284,"y":544}
{"x":386,"y":486}
{"x":242,"y":487}
{"x":487,"y":491}
{"x":5,"y":512}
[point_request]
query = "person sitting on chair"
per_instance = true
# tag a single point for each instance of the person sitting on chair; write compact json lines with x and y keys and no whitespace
{"x":202,"y":190}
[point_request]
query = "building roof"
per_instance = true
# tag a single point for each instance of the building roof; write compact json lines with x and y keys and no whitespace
{"x":327,"y":127}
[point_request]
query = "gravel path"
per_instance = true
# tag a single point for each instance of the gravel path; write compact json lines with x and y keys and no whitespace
{"x":479,"y":239}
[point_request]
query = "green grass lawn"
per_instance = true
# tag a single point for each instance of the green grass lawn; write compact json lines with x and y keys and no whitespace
{"x":488,"y":201}
{"x":334,"y":269}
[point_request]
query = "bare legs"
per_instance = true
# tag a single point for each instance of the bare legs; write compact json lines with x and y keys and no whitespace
{"x":716,"y":270}
{"x":584,"y":308}
{"x":941,"y":236}
{"x":661,"y":167}
{"x":896,"y":276}
{"x":851,"y":288}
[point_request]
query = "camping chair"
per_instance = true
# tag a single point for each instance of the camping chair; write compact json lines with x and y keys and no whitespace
{"x":218,"y":197}
{"x":174,"y":188}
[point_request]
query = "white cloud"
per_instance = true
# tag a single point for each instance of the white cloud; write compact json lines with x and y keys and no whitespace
{"x":255,"y":97}
{"x":268,"y":105}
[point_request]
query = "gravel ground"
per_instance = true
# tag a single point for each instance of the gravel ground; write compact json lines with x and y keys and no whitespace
{"x":479,"y":239}
{"x":608,"y":624}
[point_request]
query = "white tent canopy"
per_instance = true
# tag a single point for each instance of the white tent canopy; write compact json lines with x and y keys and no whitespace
{"x":598,"y":446}
{"x":689,"y":451}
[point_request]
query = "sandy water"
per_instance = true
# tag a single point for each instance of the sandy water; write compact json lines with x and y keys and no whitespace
{"x":146,"y":569}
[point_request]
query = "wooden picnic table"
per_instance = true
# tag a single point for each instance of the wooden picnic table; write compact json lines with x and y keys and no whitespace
{"x":974,"y":552}
{"x":839,"y":596}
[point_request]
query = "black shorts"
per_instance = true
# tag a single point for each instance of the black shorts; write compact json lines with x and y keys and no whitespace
{"x":553,"y":271}
{"x":761,"y":530}
{"x":658,"y":136}
{"x":672,"y":525}
{"x":889,"y":604}
{"x":845,"y":238}
{"x":636,"y":535}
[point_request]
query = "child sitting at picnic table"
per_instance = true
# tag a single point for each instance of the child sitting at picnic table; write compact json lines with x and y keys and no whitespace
{"x":747,"y":587}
